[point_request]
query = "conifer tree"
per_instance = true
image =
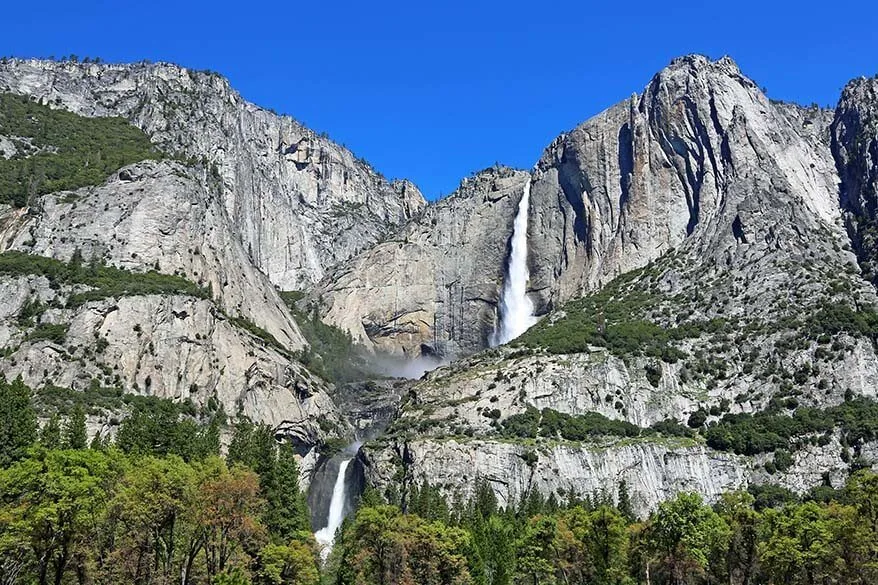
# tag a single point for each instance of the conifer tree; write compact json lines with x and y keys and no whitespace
{"x":75,"y":433}
{"x":624,"y":504}
{"x":18,"y":421}
{"x":50,"y":435}
{"x":286,"y":515}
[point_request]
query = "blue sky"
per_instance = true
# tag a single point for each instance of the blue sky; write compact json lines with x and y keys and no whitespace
{"x":435,"y":91}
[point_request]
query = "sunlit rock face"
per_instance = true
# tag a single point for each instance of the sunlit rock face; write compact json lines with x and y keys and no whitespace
{"x":701,"y":161}
{"x":299,"y":202}
{"x":702,"y":156}
{"x":433,"y":287}
{"x":160,"y":216}
{"x":720,"y":205}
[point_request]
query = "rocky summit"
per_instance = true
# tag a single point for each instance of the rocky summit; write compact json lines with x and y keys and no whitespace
{"x":700,"y":260}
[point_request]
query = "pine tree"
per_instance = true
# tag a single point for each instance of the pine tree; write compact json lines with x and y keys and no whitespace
{"x":287,"y":514}
{"x":97,"y":444}
{"x":18,"y":421}
{"x":208,"y":441}
{"x":624,"y":504}
{"x":76,"y":261}
{"x":254,"y":446}
{"x":50,"y":435}
{"x":75,"y":433}
{"x":485,"y":498}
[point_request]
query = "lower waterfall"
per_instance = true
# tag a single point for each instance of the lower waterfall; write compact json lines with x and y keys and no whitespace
{"x":516,"y":308}
{"x":326,"y":536}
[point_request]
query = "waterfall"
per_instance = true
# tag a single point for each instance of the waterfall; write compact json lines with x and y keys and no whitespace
{"x":516,"y":308}
{"x":326,"y":535}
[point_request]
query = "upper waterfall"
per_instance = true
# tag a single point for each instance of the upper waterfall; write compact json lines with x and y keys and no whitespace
{"x":516,"y":308}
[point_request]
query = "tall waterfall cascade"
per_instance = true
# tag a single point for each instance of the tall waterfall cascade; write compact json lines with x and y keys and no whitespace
{"x":326,"y":536}
{"x":516,"y":308}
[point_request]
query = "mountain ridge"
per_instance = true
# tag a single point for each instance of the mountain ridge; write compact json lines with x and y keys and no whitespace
{"x":690,"y":255}
{"x":198,"y":115}
{"x":689,"y":250}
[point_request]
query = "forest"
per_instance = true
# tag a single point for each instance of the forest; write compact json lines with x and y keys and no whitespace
{"x":56,"y":150}
{"x":158,"y":505}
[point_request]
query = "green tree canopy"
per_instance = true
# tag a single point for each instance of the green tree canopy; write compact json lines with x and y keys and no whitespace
{"x":18,"y":421}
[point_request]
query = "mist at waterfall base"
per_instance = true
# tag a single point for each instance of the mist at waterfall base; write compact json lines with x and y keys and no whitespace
{"x":338,"y":504}
{"x":411,"y":368}
{"x":516,"y":308}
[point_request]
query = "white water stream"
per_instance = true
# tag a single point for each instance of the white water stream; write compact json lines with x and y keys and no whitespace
{"x":326,"y":535}
{"x":516,"y":308}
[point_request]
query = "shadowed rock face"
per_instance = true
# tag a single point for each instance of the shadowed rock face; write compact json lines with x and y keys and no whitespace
{"x":323,"y":482}
{"x":299,"y":202}
{"x":855,"y":147}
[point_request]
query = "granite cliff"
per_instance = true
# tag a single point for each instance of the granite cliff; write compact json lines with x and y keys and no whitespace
{"x":701,"y":260}
{"x":695,"y":261}
{"x":241,"y":203}
{"x":299,"y":202}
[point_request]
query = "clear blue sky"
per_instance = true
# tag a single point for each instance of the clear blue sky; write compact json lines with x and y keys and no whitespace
{"x":434,"y":91}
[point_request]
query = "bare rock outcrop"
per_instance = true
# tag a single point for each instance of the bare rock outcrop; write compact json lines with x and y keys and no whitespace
{"x":159,"y":216}
{"x":175,"y":347}
{"x":299,"y":202}
{"x":432,"y":287}
{"x":702,"y":156}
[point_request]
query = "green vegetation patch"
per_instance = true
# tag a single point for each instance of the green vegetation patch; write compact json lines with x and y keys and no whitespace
{"x":331,"y":354}
{"x":97,"y":398}
{"x":612,"y":318}
{"x":829,"y":319}
{"x":257,"y":331}
{"x":770,"y":430}
{"x":58,"y":150}
{"x":105,"y":281}
{"x":551,"y":423}
{"x":56,"y":333}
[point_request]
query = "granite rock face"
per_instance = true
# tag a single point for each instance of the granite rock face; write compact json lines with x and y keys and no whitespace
{"x":175,"y":347}
{"x":250,"y":201}
{"x":723,"y":210}
{"x":161,"y":216}
{"x":652,"y":472}
{"x":701,"y":157}
{"x":455,"y":399}
{"x":855,"y":147}
{"x":299,"y":202}
{"x":432,"y":287}
{"x":701,"y":162}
